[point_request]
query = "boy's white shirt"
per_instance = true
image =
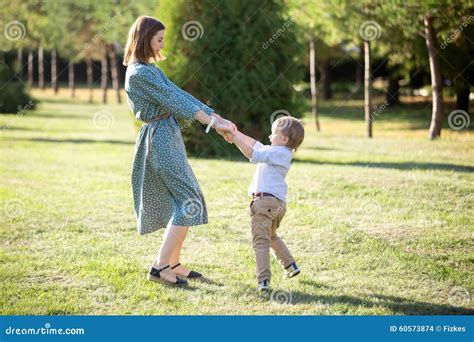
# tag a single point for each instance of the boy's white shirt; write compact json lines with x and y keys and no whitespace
{"x":273,"y":163}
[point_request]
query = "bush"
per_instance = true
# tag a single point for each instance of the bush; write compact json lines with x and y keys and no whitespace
{"x":236,"y":56}
{"x":13,"y":95}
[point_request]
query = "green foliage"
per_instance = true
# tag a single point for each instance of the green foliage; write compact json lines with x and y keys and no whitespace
{"x":243,"y":62}
{"x":13,"y":95}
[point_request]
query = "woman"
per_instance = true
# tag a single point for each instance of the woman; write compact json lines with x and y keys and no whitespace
{"x":165,"y":190}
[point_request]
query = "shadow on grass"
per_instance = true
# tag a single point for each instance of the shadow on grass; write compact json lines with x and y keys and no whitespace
{"x":72,"y":101}
{"x":10,"y":128}
{"x":77,"y":141}
{"x":320,"y":148}
{"x":396,"y":304}
{"x":417,"y":116}
{"x":313,"y":284}
{"x":61,"y":116}
{"x":207,"y":280}
{"x":406,"y":166}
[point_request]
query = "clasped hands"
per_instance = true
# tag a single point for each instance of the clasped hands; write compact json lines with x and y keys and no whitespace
{"x":225,"y":128}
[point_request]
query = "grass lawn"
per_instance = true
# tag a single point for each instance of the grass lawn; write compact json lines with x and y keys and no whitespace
{"x":382,"y":226}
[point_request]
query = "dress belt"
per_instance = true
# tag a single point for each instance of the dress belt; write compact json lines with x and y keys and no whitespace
{"x":151,"y":131}
{"x":158,"y":118}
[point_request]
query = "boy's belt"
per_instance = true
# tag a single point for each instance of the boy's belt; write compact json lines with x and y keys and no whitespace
{"x":261,"y":194}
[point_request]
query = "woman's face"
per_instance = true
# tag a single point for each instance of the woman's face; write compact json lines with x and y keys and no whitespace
{"x":158,"y":41}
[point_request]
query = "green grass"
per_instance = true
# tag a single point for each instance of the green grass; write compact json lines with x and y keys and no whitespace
{"x":381,"y":226}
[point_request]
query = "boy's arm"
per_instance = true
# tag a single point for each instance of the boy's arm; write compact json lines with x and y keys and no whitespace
{"x":244,"y":143}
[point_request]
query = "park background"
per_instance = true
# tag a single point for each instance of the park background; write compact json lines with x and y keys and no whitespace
{"x":381,"y":191}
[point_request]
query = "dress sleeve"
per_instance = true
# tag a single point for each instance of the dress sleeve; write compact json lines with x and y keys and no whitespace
{"x":156,"y":89}
{"x":208,"y":110}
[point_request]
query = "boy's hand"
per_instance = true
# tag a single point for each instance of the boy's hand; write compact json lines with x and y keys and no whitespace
{"x":226,"y":134}
{"x":229,"y":137}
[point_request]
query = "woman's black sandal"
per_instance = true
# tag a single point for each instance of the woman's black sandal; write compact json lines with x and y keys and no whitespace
{"x":154,"y":275}
{"x":191,"y":275}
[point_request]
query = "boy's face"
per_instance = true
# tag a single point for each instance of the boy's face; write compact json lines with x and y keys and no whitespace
{"x":277,"y":138}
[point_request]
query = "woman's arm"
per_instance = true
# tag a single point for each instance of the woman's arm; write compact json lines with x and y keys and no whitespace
{"x":218,"y":125}
{"x":156,"y":90}
{"x":167,"y":96}
{"x":191,"y":98}
{"x":203,"y":118}
{"x":220,"y":118}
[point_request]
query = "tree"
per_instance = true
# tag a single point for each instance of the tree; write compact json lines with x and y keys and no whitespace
{"x":430,"y":20}
{"x":110,"y":22}
{"x":14,"y":97}
{"x":351,"y":23}
{"x":38,"y":32}
{"x":315,"y":27}
{"x":241,"y":57}
{"x":57,"y":19}
{"x":436,"y":80}
{"x":457,"y":54}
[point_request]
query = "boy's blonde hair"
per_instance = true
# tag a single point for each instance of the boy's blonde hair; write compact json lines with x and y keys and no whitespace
{"x":292,"y":128}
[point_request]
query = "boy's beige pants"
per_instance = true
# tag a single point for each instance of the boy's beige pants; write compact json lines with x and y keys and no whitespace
{"x":266,"y":213}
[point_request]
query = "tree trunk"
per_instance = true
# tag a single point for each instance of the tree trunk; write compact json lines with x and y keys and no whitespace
{"x":436,"y":81}
{"x":359,"y":63}
{"x":89,"y":79}
{"x":19,"y":60}
{"x":392,"y":97}
{"x":327,"y":93}
{"x":462,"y":91}
{"x":367,"y":89}
{"x":54,"y":71}
{"x":312,"y":72}
{"x":114,"y":71}
{"x":103,"y":81}
{"x":72,"y":86}
{"x":41,"y":68}
{"x":30,"y":68}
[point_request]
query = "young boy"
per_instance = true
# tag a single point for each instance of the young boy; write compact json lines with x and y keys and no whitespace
{"x":269,"y":191}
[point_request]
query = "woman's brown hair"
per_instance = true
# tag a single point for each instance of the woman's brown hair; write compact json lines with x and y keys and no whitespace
{"x":138,"y":44}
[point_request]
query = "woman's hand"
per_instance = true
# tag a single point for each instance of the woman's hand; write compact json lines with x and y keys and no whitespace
{"x":221,"y":119}
{"x":234,"y":127}
{"x":225,"y":129}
